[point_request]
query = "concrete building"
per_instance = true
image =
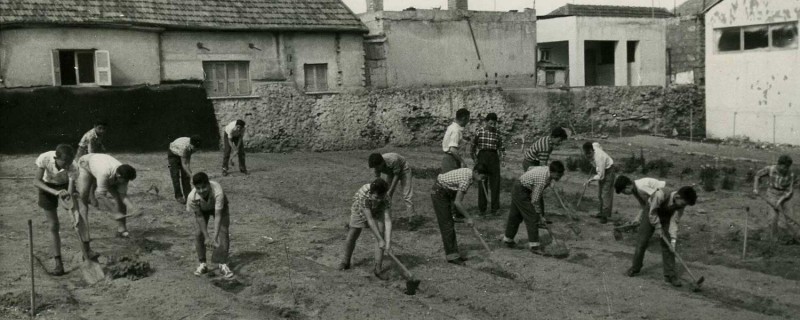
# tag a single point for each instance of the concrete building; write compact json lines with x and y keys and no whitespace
{"x":415,"y":48}
{"x":753,"y":70}
{"x":606,"y":45}
{"x":686,"y":43}
{"x":315,"y":44}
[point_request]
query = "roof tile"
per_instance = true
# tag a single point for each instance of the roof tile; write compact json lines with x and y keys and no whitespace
{"x":610,"y":11}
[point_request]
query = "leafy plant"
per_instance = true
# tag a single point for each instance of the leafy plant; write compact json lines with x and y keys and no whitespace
{"x":629,"y":165}
{"x":661,"y":165}
{"x":708,"y":177}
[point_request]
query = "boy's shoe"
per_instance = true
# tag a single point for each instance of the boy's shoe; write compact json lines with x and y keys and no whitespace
{"x":343,"y":266}
{"x":537,"y":251}
{"x":244,"y":171}
{"x":508,"y":243}
{"x":201,"y":269}
{"x":225,"y":271}
{"x":674,"y":281}
{"x":631,"y":272}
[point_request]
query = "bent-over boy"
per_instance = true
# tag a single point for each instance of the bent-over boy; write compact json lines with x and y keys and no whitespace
{"x":205,"y":200}
{"x":371,"y":209}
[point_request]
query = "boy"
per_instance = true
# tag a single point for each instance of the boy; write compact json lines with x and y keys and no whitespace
{"x":539,"y":152}
{"x":606,"y":173}
{"x":641,"y":189}
{"x":371,"y":209}
{"x":487,"y":148}
{"x":92,"y":142}
{"x":111,"y":178}
{"x":179,"y":158}
{"x":205,"y":200}
{"x":527,"y":191}
{"x":233,"y":135}
{"x":55,"y":177}
{"x":780,"y":190}
{"x":450,"y":145}
{"x":665,"y":208}
{"x":448,"y":193}
{"x":397,"y":171}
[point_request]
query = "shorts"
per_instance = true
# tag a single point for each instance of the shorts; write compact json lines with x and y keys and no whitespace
{"x":358,"y":220}
{"x":48,"y":201}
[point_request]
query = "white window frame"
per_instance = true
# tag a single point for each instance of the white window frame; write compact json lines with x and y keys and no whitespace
{"x":211,"y":80}
{"x":770,"y":45}
{"x":316,"y":88}
{"x":101,"y":72}
{"x":544,"y":54}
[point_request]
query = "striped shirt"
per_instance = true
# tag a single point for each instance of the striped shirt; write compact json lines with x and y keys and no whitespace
{"x":456,"y":180}
{"x":536,"y":179}
{"x":53,"y":174}
{"x":395,"y":164}
{"x":487,"y":139}
{"x":182,"y":147}
{"x":361,"y":200}
{"x":540,"y":150}
{"x":777,"y":181}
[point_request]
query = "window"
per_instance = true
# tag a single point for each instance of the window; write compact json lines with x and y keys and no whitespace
{"x":81,"y":67}
{"x":632,"y":51}
{"x":763,"y":37}
{"x":227,"y":78}
{"x":316,"y":77}
{"x":549,"y":77}
{"x":544,"y":54}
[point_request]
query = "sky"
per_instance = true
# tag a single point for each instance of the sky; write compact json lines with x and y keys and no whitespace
{"x":542,"y":6}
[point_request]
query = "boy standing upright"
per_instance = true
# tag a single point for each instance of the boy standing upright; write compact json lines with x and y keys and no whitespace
{"x":527,"y":191}
{"x":233,"y":135}
{"x":452,"y":140}
{"x":111,"y":178}
{"x":55,"y":178}
{"x":487,"y":148}
{"x":205,"y":200}
{"x":92,"y":140}
{"x":780,"y":190}
{"x":397,"y":171}
{"x":179,"y":158}
{"x":606,"y":173}
{"x":448,"y":193}
{"x":371,"y":209}
{"x":665,"y":209}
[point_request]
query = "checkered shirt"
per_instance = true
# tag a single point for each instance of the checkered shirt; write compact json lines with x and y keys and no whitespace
{"x":536,"y":179}
{"x":361,"y":200}
{"x":540,"y":150}
{"x":456,"y":180}
{"x":487,"y":139}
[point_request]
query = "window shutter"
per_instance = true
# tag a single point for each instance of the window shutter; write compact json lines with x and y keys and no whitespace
{"x":102,"y":68}
{"x":322,"y":77}
{"x":56,"y":68}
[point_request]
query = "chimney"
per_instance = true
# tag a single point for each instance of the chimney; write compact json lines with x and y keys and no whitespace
{"x":374,"y":5}
{"x":457,"y":5}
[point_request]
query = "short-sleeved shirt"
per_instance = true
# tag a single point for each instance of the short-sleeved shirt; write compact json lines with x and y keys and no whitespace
{"x":216,"y":199}
{"x":648,"y":186}
{"x":536,"y":179}
{"x":456,"y":180}
{"x":660,"y":208}
{"x":182,"y":147}
{"x":395,"y":164}
{"x":540,"y":150}
{"x":362,"y":201}
{"x":777,"y":181}
{"x":53,"y":174}
{"x":103,"y":167}
{"x":232,"y":132}
{"x":602,"y":161}
{"x":91,"y":139}
{"x":452,"y":137}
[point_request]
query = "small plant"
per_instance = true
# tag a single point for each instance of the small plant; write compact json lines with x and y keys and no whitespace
{"x":708,"y":177}
{"x":750,"y":176}
{"x":579,"y":163}
{"x":728,"y":182}
{"x":686,"y":172}
{"x":425,"y":173}
{"x":629,"y":165}
{"x":572,"y":164}
{"x":661,"y":165}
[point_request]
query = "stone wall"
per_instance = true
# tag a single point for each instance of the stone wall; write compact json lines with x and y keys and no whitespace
{"x":686,"y":45}
{"x":284,"y":119}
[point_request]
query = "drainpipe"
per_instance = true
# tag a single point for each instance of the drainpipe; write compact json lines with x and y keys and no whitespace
{"x":477,"y":51}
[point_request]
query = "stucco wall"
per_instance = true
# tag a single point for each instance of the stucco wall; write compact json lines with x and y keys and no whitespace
{"x":753,"y":93}
{"x":25,"y":54}
{"x":435,"y":47}
{"x":343,"y":53}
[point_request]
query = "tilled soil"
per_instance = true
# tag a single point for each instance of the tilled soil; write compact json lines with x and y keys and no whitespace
{"x":289,"y":224}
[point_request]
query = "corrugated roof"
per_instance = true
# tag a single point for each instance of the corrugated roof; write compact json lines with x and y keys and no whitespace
{"x":331,"y":15}
{"x":610,"y":11}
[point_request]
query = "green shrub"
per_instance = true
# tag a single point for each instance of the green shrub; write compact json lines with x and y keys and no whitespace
{"x":629,"y":165}
{"x":661,"y":166}
{"x":708,"y":177}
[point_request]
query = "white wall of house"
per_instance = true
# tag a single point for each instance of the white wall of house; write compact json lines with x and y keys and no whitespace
{"x":650,"y":33}
{"x":343,"y":54}
{"x":753,"y":93}
{"x":26,"y":54}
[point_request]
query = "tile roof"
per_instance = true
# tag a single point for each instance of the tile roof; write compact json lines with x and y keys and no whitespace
{"x":308,"y":15}
{"x":610,"y":11}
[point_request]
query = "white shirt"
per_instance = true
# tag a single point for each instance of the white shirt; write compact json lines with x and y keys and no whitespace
{"x":52,"y":174}
{"x":230,"y":129}
{"x":104,"y":169}
{"x":601,"y":161}
{"x":649,"y":185}
{"x":452,"y":137}
{"x":182,"y":147}
{"x":216,"y":199}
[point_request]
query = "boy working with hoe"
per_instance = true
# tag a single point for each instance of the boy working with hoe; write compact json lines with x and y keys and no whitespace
{"x":641,"y":190}
{"x":371,"y":209}
{"x":205,"y":200}
{"x":448,"y":193}
{"x":111,"y":178}
{"x":606,"y":173}
{"x":233,"y":137}
{"x":92,"y":142}
{"x":397,"y":171}
{"x":179,"y":159}
{"x":781,"y":188}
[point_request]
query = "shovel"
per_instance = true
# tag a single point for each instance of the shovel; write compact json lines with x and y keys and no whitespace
{"x":559,"y":249}
{"x":91,"y":270}
{"x":697,"y":282}
{"x":578,"y":206}
{"x":411,"y":283}
{"x":575,"y":229}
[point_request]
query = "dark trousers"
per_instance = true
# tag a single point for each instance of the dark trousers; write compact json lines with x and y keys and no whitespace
{"x":220,"y":254}
{"x":442,"y":204}
{"x":492,"y":161}
{"x":179,"y":177}
{"x":526,"y":164}
{"x":450,"y":163}
{"x":226,"y":152}
{"x":522,"y":210}
{"x":646,"y":231}
{"x":606,"y":192}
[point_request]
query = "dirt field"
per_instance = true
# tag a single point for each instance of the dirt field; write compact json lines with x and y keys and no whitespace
{"x":288,"y":222}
